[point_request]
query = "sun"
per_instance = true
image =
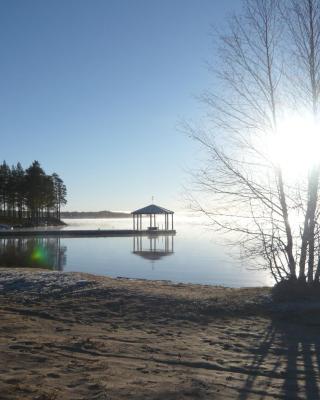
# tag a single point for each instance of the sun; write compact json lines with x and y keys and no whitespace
{"x":295,"y":146}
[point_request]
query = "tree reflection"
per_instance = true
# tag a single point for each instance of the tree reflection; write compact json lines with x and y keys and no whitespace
{"x":33,"y":253}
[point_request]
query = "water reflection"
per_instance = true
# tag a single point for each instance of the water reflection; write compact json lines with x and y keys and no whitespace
{"x":49,"y":253}
{"x":153,"y":247}
{"x":33,"y":253}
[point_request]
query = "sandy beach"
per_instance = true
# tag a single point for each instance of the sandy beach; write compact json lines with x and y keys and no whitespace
{"x":78,"y":336}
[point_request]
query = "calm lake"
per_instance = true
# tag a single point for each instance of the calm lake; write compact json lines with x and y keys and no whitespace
{"x":192,"y":255}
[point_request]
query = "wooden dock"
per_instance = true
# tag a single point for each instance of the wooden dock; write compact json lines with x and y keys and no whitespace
{"x":84,"y":233}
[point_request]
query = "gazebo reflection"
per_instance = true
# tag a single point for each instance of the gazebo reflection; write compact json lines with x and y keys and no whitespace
{"x":153,"y":247}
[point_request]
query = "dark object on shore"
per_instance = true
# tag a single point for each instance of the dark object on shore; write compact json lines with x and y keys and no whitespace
{"x":296,"y":290}
{"x":4,"y":227}
{"x":152,"y":228}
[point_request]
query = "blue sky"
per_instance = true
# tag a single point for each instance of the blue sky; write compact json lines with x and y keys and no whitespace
{"x":95,"y":90}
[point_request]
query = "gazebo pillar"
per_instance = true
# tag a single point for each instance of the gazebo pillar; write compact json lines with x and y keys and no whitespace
{"x":171,"y":221}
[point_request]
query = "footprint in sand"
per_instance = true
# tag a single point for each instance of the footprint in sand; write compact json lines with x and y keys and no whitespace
{"x":12,"y":381}
{"x":53,"y":375}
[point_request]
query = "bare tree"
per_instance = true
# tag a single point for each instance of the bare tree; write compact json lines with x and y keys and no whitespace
{"x":303,"y":20}
{"x":270,"y":68}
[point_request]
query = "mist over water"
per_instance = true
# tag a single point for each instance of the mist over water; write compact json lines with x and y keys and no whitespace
{"x":194,"y":255}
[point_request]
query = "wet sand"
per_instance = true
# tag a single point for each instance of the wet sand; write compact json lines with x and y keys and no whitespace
{"x":77,"y":336}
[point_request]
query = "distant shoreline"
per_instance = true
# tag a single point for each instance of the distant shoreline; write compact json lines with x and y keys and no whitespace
{"x":93,"y":214}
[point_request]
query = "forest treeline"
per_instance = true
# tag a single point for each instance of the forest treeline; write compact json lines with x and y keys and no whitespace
{"x":30,"y":195}
{"x":94,"y":214}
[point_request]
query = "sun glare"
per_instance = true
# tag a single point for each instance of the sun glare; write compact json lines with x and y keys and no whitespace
{"x":296,"y":146}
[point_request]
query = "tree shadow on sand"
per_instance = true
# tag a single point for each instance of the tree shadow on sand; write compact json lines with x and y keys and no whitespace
{"x":285,"y":363}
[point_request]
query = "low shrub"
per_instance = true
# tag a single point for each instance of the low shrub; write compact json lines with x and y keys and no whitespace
{"x":296,"y":290}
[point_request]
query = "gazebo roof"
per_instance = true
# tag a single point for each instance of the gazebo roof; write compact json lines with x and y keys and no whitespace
{"x":152,"y":209}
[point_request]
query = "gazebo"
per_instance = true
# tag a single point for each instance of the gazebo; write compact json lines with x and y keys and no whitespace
{"x":152,"y":210}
